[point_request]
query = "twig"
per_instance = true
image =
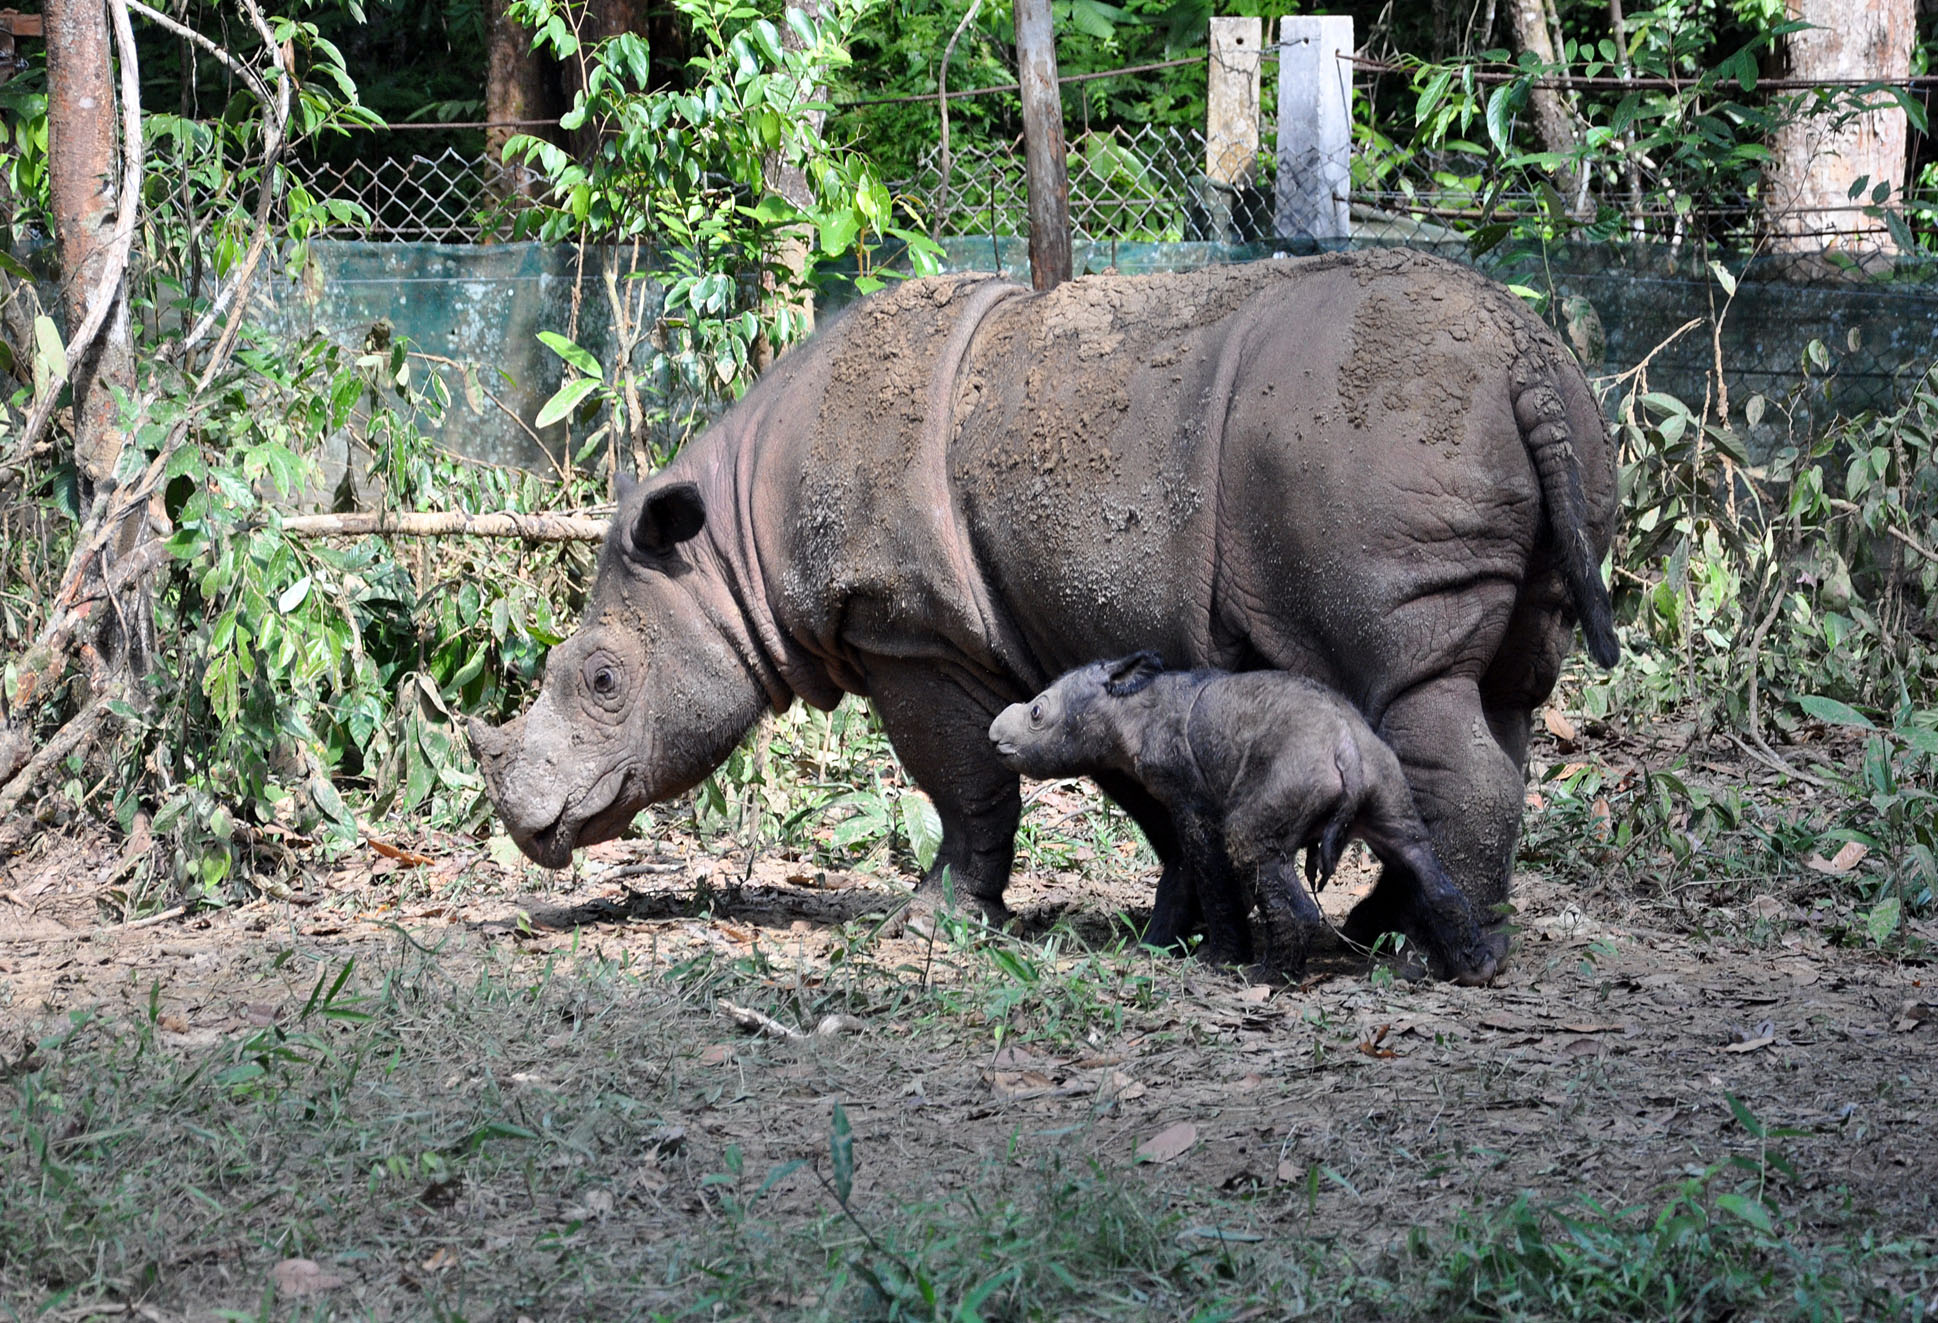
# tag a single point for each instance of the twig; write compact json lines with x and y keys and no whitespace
{"x":748,"y":1018}
{"x":1763,"y":752}
{"x":531,"y":527}
{"x":273,"y":129}
{"x":1847,"y":507}
{"x":172,"y":912}
{"x":942,"y":105}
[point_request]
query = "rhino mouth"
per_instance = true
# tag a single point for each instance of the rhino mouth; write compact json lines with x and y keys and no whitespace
{"x":552,"y":846}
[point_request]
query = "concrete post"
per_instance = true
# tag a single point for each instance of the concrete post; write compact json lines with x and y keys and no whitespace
{"x":1315,"y":128}
{"x":1231,"y":118}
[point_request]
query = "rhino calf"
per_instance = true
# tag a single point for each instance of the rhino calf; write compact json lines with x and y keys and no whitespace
{"x":1253,"y":767}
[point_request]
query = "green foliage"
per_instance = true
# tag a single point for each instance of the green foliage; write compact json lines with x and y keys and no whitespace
{"x":691,"y":172}
{"x":301,"y":669}
{"x":1716,"y":1246}
{"x":1678,"y":164}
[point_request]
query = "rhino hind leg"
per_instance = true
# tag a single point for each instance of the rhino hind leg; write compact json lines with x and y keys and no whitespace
{"x":1468,"y":795}
{"x":938,"y":722}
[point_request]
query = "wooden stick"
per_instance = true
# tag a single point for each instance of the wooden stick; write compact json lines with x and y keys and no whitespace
{"x":531,"y":527}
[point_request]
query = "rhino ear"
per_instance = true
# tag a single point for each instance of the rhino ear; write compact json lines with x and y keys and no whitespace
{"x":669,"y":517}
{"x":624,"y":485}
{"x":1132,"y":673}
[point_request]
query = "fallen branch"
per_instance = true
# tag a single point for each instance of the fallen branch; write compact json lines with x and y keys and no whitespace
{"x":65,"y":741}
{"x":748,"y":1018}
{"x":531,"y":527}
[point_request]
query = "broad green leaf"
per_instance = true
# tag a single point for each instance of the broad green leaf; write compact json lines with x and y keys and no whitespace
{"x":50,"y":359}
{"x":1883,"y":919}
{"x":568,"y":398}
{"x":572,"y":354}
{"x":1829,"y":709}
{"x":294,"y":595}
{"x":922,"y":826}
{"x":841,"y":1155}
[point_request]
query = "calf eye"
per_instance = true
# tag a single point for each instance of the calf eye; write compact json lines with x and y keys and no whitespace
{"x":1036,"y":712}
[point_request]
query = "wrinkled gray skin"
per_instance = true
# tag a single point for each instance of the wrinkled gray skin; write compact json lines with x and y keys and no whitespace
{"x":1375,"y":470}
{"x":1254,"y":768}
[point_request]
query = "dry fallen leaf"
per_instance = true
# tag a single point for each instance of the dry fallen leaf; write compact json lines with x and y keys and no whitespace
{"x":1912,"y":1014}
{"x":444,"y":1257}
{"x":1288,"y":1171}
{"x":1168,"y":1144}
{"x":1371,"y":1045}
{"x":1558,"y":724}
{"x":303,"y":1277}
{"x":716,"y":1054}
{"x":408,"y":858}
{"x":1840,"y":863}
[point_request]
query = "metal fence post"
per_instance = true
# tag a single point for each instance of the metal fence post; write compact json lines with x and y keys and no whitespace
{"x":1231,"y":119}
{"x":1315,"y":128}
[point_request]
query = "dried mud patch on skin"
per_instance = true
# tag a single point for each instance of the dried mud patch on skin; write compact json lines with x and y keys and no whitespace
{"x":1412,"y":356}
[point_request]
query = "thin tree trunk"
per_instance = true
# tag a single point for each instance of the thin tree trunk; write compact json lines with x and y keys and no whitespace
{"x":1554,"y":124}
{"x":518,"y":86}
{"x":792,"y":246}
{"x":1816,"y":162}
{"x":83,"y":178}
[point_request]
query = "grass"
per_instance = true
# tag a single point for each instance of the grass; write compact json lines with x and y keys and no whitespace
{"x":470,"y":1134}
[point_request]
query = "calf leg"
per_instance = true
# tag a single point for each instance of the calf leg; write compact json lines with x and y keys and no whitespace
{"x":1289,"y":915}
{"x":1468,"y":795}
{"x":1439,"y":919}
{"x":938,"y":722}
{"x":1206,"y":869}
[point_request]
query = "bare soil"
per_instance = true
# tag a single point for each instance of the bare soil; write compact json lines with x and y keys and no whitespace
{"x":1354,"y":1105}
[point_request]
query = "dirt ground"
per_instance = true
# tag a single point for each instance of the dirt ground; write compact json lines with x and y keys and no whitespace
{"x":1355,"y":1104}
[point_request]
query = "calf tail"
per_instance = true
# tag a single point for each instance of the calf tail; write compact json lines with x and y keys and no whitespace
{"x":1542,"y":414}
{"x":1322,"y":857}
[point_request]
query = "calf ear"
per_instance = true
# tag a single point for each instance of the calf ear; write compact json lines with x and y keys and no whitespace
{"x":669,"y":517}
{"x":1132,"y":673}
{"x":624,"y":485}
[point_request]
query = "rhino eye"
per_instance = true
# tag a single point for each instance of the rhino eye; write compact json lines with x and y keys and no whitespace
{"x":604,"y":682}
{"x":1036,"y":714}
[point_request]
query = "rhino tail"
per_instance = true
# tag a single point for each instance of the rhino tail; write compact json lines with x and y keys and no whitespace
{"x":1542,"y":414}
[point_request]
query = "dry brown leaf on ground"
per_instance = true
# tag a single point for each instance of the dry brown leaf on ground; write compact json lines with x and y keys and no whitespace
{"x":1558,"y":725}
{"x":1850,"y":856}
{"x":407,"y":858}
{"x":442,"y":1258}
{"x":299,"y":1277}
{"x":1168,"y":1144}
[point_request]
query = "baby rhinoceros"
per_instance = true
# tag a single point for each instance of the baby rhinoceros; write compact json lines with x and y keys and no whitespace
{"x":1254,"y":767}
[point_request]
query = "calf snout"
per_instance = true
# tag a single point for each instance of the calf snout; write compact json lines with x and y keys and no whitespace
{"x":1009,"y":729}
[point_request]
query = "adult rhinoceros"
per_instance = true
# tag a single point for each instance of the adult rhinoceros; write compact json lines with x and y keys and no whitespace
{"x":1375,"y":469}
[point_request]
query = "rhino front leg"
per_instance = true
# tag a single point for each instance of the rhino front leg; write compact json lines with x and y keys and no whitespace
{"x":1468,"y":792}
{"x":938,"y":722}
{"x":1175,"y":912}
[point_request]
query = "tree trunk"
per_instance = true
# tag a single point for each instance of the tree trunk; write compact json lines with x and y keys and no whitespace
{"x":83,"y":177}
{"x":793,"y":246}
{"x":519,"y":85}
{"x":1554,"y":124}
{"x":1808,"y":206}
